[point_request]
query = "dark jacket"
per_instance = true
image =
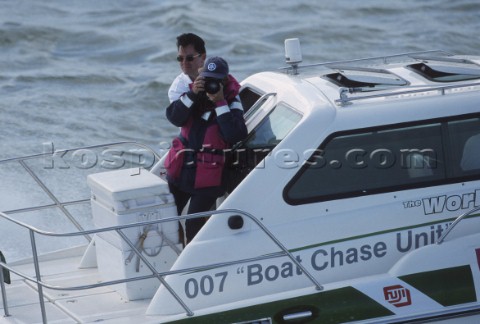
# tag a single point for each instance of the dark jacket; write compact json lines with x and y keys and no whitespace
{"x":207,"y":132}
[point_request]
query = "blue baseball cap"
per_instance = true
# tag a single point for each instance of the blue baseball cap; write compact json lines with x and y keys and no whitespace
{"x":215,"y":67}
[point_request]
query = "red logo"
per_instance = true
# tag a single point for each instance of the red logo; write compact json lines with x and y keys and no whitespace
{"x":397,"y":295}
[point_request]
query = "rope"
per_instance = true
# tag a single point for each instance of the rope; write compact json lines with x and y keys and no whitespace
{"x":139,"y":246}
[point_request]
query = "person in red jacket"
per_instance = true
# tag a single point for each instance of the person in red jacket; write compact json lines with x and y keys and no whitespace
{"x":210,"y":116}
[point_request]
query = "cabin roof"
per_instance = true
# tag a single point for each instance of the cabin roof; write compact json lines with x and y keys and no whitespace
{"x":344,"y":82}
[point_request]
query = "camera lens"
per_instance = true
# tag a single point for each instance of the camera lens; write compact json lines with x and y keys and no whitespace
{"x":212,"y":86}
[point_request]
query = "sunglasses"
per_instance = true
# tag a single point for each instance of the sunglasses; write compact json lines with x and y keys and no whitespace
{"x":188,"y":58}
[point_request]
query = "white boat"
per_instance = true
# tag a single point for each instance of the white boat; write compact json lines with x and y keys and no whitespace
{"x":355,"y":198}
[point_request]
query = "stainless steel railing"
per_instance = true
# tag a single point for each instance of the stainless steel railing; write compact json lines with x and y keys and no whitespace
{"x":345,"y":99}
{"x":159,"y":275}
{"x":56,"y":202}
{"x":455,"y":222}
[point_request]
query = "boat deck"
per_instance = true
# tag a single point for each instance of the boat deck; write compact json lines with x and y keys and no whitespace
{"x":68,"y":306}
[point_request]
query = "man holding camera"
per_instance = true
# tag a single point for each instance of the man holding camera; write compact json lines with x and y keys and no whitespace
{"x":210,"y":115}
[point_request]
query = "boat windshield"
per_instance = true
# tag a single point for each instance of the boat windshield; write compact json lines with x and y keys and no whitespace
{"x":270,"y":131}
{"x":273,"y":128}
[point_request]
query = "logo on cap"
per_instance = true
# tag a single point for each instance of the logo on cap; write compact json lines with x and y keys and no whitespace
{"x":211,"y":66}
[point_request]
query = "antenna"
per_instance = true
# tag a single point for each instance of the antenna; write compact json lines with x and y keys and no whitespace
{"x":293,"y":53}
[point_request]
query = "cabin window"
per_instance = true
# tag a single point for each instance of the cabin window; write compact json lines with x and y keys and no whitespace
{"x":248,"y":97}
{"x":273,"y":128}
{"x":369,"y":162}
{"x":383,"y":160}
{"x":464,"y":137}
{"x":261,"y":141}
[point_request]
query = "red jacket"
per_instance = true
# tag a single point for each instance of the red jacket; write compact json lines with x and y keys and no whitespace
{"x":196,"y":161}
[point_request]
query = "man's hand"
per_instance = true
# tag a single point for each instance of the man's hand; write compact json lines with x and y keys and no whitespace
{"x":198,"y":85}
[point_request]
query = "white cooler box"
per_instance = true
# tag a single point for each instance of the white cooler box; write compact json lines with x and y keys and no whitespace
{"x":129,"y":196}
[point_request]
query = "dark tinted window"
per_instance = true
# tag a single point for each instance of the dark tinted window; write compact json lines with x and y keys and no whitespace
{"x":382,"y":160}
{"x":248,"y":97}
{"x":464,"y":137}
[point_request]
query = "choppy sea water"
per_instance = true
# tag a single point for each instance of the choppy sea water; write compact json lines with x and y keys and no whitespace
{"x":77,"y":73}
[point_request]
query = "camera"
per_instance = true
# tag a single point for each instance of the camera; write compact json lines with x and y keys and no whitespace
{"x":212,"y":85}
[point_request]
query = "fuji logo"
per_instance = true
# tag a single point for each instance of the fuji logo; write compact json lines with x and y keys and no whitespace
{"x":397,"y":295}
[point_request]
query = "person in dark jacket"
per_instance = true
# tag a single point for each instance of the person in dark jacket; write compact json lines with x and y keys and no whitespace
{"x":210,"y":116}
